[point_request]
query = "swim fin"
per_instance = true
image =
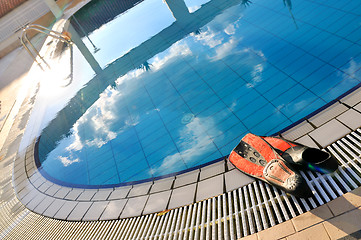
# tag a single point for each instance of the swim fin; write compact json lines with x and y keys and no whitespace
{"x":304,"y":157}
{"x":255,"y":157}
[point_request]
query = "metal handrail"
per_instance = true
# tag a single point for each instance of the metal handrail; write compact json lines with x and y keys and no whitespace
{"x":35,"y":53}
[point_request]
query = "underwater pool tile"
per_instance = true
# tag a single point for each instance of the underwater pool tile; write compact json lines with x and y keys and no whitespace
{"x":229,"y":135}
{"x":314,"y":104}
{"x":127,"y":161}
{"x":247,"y":110}
{"x":222,"y":122}
{"x":168,"y":165}
{"x":271,"y":125}
{"x":211,"y":154}
{"x":161,"y":154}
{"x":277,"y":92}
{"x":155,"y":137}
{"x":158,"y":144}
{"x":354,"y":36}
{"x":199,"y":105}
{"x":139,"y":176}
{"x":103,"y":173}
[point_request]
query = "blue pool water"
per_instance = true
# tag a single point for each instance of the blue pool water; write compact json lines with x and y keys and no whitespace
{"x":176,"y":84}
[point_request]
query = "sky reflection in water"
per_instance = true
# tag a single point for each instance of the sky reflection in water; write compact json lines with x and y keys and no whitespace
{"x":203,"y":80}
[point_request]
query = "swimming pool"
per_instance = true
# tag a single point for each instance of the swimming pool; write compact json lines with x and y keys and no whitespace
{"x":180,"y":89}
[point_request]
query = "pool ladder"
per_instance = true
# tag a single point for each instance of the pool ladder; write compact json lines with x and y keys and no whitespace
{"x":34,"y":53}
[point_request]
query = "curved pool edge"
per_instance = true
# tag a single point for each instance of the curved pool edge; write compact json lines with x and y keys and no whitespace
{"x":320,"y":129}
{"x":75,"y":204}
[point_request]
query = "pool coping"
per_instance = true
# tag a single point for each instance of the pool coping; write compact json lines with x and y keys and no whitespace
{"x":52,"y":200}
{"x":55,"y":201}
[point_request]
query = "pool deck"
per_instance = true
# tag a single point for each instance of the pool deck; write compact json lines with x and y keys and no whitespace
{"x":337,"y":219}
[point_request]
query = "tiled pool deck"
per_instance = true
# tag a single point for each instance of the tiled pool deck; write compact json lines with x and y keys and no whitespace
{"x":48,"y":202}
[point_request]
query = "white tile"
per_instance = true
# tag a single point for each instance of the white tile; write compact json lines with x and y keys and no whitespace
{"x":21,"y":194}
{"x":307,"y":141}
{"x":212,"y":170}
{"x":113,"y":209}
{"x":35,"y":201}
{"x":52,"y":190}
{"x":61,"y":193}
{"x":162,"y":185}
{"x":210,"y":187}
{"x":350,"y":118}
{"x":229,"y":165}
{"x":37,"y":183}
{"x":45,"y":203}
{"x":186,"y":178}
{"x":297,"y":131}
{"x":120,"y":192}
{"x":236,"y":179}
{"x":95,"y":211}
{"x":353,"y":98}
{"x":102,"y":194}
{"x":54,"y":207}
{"x":134,"y":207}
{"x":140,"y":189}
{"x":157,"y":202}
{"x":328,"y":114}
{"x":29,"y":196}
{"x":74,"y":194}
{"x":86,"y":195}
{"x":45,"y":186}
{"x":358,"y":107}
{"x":328,"y":133}
{"x":31,"y":171}
{"x":65,"y":210}
{"x":79,"y":211}
{"x":182,"y":196}
{"x":24,"y":186}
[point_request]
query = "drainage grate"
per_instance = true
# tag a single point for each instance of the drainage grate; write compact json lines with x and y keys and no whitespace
{"x":252,"y":208}
{"x":232,"y":215}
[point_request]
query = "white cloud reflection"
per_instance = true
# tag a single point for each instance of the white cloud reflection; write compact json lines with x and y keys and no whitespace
{"x":66,"y":161}
{"x":195,"y":141}
{"x":176,"y":50}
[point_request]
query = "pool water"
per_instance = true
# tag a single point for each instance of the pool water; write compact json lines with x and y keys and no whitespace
{"x":176,"y":84}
